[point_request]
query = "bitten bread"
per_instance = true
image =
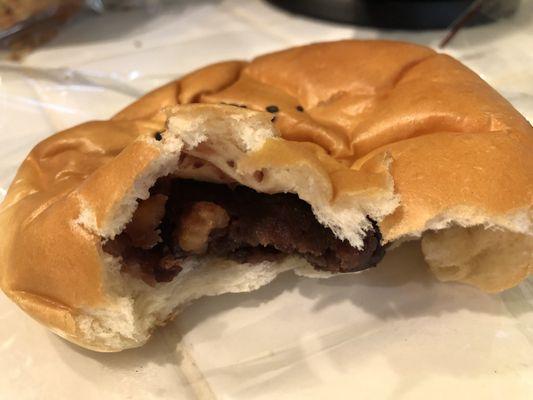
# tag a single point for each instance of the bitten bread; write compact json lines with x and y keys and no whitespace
{"x":314,"y":159}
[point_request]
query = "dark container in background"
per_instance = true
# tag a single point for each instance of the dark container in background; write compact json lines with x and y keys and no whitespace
{"x":400,"y":14}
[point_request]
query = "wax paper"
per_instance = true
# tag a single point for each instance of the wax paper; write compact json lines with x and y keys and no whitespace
{"x":393,"y":332}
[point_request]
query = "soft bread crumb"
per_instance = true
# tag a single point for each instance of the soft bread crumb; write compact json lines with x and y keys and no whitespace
{"x":216,"y":134}
{"x":140,"y":191}
{"x":129,"y":321}
{"x":466,"y":245}
{"x":246,"y":129}
{"x":491,"y":259}
{"x":518,"y":221}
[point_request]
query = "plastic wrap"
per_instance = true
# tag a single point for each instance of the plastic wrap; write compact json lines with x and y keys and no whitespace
{"x":390,"y":333}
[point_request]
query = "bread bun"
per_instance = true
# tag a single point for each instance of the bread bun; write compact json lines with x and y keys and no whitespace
{"x":393,"y":131}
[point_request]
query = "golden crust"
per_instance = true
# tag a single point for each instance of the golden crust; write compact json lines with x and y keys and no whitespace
{"x":491,"y":173}
{"x":52,"y":187}
{"x":186,"y":90}
{"x":360,"y":102}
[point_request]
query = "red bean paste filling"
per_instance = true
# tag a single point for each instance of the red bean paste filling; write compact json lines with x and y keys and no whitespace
{"x":257,"y":227}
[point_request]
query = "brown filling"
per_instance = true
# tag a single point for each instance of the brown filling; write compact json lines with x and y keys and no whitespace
{"x":185,"y":217}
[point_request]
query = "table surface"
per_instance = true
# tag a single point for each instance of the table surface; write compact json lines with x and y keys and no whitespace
{"x":390,"y":333}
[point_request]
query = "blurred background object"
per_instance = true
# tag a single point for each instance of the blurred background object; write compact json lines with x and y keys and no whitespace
{"x":401,"y":14}
{"x":102,"y":5}
{"x":14,"y":12}
{"x":26,"y":24}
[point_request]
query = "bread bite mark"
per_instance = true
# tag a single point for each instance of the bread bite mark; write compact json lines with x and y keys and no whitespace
{"x":206,"y":140}
{"x":138,"y":301}
{"x":491,"y":259}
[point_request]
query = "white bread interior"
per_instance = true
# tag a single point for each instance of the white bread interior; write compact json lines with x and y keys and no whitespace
{"x":135,"y":308}
{"x":489,"y":257}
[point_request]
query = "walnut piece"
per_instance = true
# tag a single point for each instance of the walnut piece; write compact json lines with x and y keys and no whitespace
{"x":142,"y":230}
{"x":197,"y":223}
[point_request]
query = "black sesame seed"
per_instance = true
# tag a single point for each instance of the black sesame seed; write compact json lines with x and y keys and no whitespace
{"x":272,"y":109}
{"x":299,"y":108}
{"x":158,"y":136}
{"x":273,"y":119}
